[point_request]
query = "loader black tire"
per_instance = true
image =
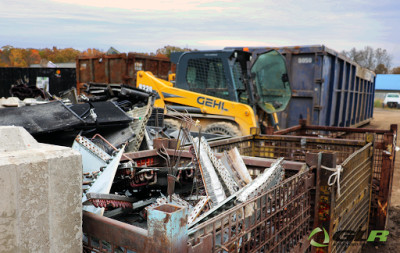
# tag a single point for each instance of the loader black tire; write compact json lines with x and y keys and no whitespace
{"x":224,"y":128}
{"x":172,"y":124}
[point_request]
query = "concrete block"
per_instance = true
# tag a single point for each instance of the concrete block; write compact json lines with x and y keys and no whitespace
{"x":41,"y":193}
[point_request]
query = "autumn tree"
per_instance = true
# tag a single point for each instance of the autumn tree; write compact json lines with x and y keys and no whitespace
{"x":396,"y":70}
{"x":5,"y":56}
{"x":92,"y":52}
{"x":59,"y":55}
{"x":381,"y":69}
{"x":167,"y":50}
{"x":378,"y":59}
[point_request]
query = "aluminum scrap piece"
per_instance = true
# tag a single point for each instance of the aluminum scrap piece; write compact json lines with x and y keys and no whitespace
{"x":197,"y":209}
{"x":226,"y":161}
{"x":268,"y":179}
{"x":138,"y":126}
{"x":93,"y":195}
{"x":143,"y":203}
{"x":104,"y":181}
{"x":226,"y":177}
{"x":82,"y":142}
{"x":93,"y":160}
{"x":226,"y":204}
{"x":175,"y":200}
{"x":214,"y":187}
{"x":254,"y":187}
{"x":239,"y":166}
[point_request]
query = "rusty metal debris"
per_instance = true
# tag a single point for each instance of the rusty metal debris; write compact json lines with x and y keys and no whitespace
{"x":224,"y":201}
{"x":99,"y":169}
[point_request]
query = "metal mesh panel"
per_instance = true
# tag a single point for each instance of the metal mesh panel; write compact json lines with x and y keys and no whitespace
{"x":352,"y":206}
{"x":275,"y":221}
{"x":207,"y":76}
{"x":293,"y":148}
{"x":383,"y":140}
{"x":349,"y":136}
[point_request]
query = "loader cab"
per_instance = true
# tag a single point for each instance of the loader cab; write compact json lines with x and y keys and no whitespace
{"x":215,"y":73}
{"x":234,"y":75}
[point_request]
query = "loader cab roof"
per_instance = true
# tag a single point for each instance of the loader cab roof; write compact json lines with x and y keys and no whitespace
{"x":225,"y":53}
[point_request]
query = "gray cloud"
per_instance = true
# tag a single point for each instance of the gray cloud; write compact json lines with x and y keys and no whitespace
{"x":338,"y":24}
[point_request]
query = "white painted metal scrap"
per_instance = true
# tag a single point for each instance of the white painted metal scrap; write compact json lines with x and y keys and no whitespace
{"x":103,"y":182}
{"x":268,"y":179}
{"x":197,"y":209}
{"x":214,"y":187}
{"x":226,"y":177}
{"x":239,"y":166}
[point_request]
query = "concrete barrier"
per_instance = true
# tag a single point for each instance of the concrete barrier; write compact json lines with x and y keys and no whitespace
{"x":40,"y":195}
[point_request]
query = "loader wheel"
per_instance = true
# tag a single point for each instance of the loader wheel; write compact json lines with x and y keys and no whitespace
{"x":223,"y":128}
{"x":172,"y":124}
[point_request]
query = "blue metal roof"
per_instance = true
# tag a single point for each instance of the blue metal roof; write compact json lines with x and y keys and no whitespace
{"x":387,"y":82}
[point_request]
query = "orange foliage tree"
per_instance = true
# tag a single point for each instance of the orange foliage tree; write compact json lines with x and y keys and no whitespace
{"x":20,"y":57}
{"x":92,"y":52}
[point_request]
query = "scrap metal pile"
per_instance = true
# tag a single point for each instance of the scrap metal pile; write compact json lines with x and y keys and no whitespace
{"x":108,"y":125}
{"x":125,"y":189}
{"x":133,"y":168}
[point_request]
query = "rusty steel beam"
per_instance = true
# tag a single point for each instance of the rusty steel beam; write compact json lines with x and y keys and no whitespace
{"x":248,"y":160}
{"x":386,"y":180}
{"x":291,"y":138}
{"x":231,"y":141}
{"x":330,"y":128}
{"x":267,"y":162}
{"x":288,"y":130}
{"x":116,"y":232}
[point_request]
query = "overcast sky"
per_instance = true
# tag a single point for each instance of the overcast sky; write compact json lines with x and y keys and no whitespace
{"x":144,"y":26}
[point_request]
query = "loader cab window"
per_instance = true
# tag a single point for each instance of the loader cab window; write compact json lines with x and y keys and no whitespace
{"x":271,"y":80}
{"x":206,"y":75}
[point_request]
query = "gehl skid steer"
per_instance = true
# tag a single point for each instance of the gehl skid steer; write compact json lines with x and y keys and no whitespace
{"x":226,"y":90}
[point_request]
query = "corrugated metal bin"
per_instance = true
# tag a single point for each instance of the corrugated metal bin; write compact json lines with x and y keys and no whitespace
{"x":328,"y":89}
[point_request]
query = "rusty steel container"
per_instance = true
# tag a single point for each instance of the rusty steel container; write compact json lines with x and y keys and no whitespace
{"x":279,"y":219}
{"x":383,"y":164}
{"x":119,"y":68}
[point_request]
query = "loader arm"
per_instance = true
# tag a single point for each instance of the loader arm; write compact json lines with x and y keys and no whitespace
{"x":242,"y":114}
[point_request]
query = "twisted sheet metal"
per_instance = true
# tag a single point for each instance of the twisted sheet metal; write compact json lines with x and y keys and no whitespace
{"x":268,"y":179}
{"x":227,"y":179}
{"x":210,"y":178}
{"x":138,"y":126}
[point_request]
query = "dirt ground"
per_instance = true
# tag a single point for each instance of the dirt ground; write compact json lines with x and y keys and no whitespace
{"x":383,"y":118}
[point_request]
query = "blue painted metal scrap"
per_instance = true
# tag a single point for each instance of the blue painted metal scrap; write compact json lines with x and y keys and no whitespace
{"x":328,"y":89}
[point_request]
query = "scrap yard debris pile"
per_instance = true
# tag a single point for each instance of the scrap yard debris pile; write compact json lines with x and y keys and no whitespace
{"x":125,"y":185}
{"x":149,"y":188}
{"x":118,"y":113}
{"x":108,"y":125}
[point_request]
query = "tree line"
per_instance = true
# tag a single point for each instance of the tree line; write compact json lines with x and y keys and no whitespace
{"x":378,"y":60}
{"x":24,"y":57}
